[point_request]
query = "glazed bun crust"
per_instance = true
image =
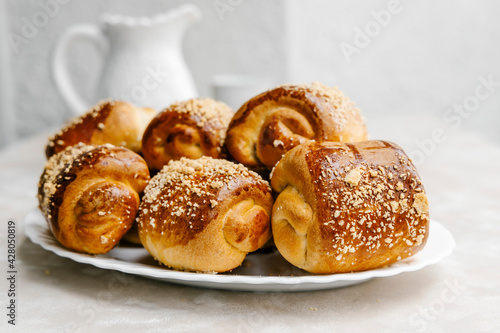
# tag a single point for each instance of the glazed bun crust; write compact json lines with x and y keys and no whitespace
{"x":89,"y":195}
{"x":205,"y":215}
{"x":115,"y":122}
{"x":345,"y":207}
{"x":272,"y":123}
{"x":192,"y":129}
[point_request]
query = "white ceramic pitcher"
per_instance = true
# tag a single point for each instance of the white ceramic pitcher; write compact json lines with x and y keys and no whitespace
{"x":143,"y":59}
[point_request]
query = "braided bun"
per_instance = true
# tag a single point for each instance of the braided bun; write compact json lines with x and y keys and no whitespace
{"x":272,"y":123}
{"x":205,"y":214}
{"x":191,"y":129}
{"x":115,"y":122}
{"x":90,"y":195}
{"x":348,"y":207}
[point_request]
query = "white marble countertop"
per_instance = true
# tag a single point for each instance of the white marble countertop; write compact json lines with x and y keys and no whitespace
{"x":459,"y":294}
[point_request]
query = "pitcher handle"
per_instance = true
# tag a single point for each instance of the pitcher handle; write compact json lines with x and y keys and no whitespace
{"x":59,"y":68}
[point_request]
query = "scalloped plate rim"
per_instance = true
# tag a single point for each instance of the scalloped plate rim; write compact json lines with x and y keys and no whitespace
{"x":36,"y":229}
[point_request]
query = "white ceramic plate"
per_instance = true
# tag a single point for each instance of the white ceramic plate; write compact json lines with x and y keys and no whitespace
{"x":261,"y":271}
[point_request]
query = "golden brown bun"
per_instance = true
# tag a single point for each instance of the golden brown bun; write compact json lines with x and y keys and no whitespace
{"x":205,"y":215}
{"x":115,"y":122}
{"x":90,"y":195}
{"x":132,"y":236}
{"x":272,"y":123}
{"x":193,"y":128}
{"x":348,"y":207}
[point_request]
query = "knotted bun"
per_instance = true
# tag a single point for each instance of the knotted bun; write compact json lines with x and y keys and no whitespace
{"x":90,"y":195}
{"x":115,"y":122}
{"x":205,"y":214}
{"x":272,"y":123}
{"x":346,"y":207}
{"x":192,"y":128}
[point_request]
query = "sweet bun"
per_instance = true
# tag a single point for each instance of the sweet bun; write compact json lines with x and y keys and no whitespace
{"x":272,"y":123}
{"x":345,"y":207}
{"x":115,"y":122}
{"x":89,"y":195}
{"x":192,"y":128}
{"x":132,"y":236}
{"x":204,"y":215}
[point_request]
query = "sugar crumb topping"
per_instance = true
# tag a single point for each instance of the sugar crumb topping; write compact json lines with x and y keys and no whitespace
{"x":181,"y":180}
{"x":421,"y":203}
{"x":58,"y":165}
{"x":343,"y":107}
{"x":353,"y":177}
{"x":206,"y":111}
{"x":366,"y":208}
{"x":93,"y":112}
{"x":55,"y":166}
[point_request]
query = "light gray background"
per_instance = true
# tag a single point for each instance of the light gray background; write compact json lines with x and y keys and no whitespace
{"x":429,"y":57}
